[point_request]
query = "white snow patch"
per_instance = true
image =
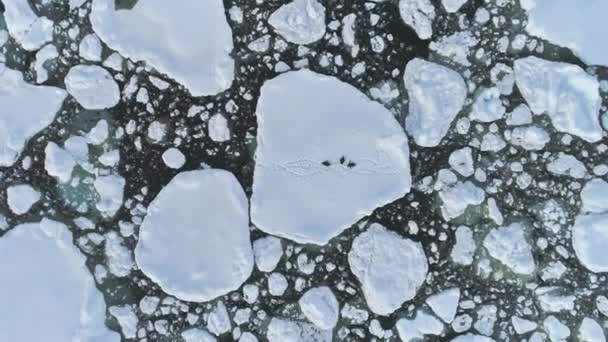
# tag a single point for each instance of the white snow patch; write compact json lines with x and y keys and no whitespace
{"x":300,"y":21}
{"x":326,"y":157}
{"x":509,"y":246}
{"x":184,"y":245}
{"x":92,"y":86}
{"x":436,"y":94}
{"x":72,"y":307}
{"x":565,"y":92}
{"x":20,"y":198}
{"x":390,"y":268}
{"x":25,"y":117}
{"x":189,"y":40}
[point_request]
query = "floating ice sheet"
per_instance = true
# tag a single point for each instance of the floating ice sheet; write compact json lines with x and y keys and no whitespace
{"x":326,"y":157}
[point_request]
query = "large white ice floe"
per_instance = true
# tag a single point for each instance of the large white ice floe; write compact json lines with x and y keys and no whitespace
{"x":326,"y":157}
{"x":419,"y":15}
{"x":436,"y":94}
{"x":563,"y":91}
{"x":590,"y":231}
{"x":194,"y":241}
{"x":509,"y":246}
{"x":29,"y":30}
{"x":92,"y":86}
{"x":47,"y":277}
{"x":567,"y":23}
{"x":390,"y":268}
{"x":22,"y":117}
{"x":300,"y":21}
{"x":188,"y":40}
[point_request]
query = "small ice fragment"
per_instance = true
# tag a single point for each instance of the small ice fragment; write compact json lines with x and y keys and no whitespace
{"x":20,"y":198}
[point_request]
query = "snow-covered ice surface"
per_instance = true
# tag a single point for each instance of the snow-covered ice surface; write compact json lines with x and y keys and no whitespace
{"x":47,"y":277}
{"x":92,"y":86}
{"x":194,"y":240}
{"x":22,"y":118}
{"x":563,"y":91}
{"x":566,"y":23}
{"x":333,"y":152}
{"x":190,"y":41}
{"x":390,"y":268}
{"x":27,"y":28}
{"x":437,"y":94}
{"x":300,"y":21}
{"x":303,"y":170}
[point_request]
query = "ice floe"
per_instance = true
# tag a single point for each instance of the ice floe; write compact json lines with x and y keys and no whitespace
{"x":47,"y":277}
{"x":300,"y":21}
{"x":563,"y":91}
{"x":509,"y":246}
{"x":194,"y":240}
{"x":21,"y":197}
{"x":334,"y":154}
{"x":567,"y":23}
{"x":25,"y":117}
{"x":190,"y":40}
{"x":28,"y":29}
{"x":437,"y":94}
{"x":390,"y":268}
{"x":92,"y":86}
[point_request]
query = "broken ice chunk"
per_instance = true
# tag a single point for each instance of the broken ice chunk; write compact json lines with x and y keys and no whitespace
{"x":436,"y":94}
{"x":563,"y":91}
{"x":300,"y":21}
{"x":390,"y":268}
